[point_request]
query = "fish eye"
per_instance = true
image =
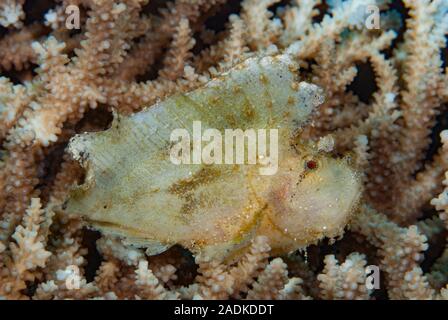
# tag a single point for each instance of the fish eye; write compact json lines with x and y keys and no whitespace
{"x":311,"y":164}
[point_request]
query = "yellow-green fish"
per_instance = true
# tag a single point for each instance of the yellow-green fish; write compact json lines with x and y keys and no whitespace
{"x":156,"y":192}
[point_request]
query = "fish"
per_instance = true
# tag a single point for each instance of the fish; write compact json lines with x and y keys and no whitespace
{"x":136,"y":189}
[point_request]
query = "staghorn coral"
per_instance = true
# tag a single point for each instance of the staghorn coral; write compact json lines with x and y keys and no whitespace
{"x":131,"y":54}
{"x":11,"y":13}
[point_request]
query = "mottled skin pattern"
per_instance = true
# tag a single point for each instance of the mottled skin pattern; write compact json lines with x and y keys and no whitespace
{"x":133,"y":190}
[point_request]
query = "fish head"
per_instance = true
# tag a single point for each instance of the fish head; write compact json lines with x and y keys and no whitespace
{"x":313,"y":196}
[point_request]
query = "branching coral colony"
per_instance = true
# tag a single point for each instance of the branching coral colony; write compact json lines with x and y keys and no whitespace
{"x":130,"y":54}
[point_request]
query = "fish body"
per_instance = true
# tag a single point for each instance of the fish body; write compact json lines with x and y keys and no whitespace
{"x":133,"y":189}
